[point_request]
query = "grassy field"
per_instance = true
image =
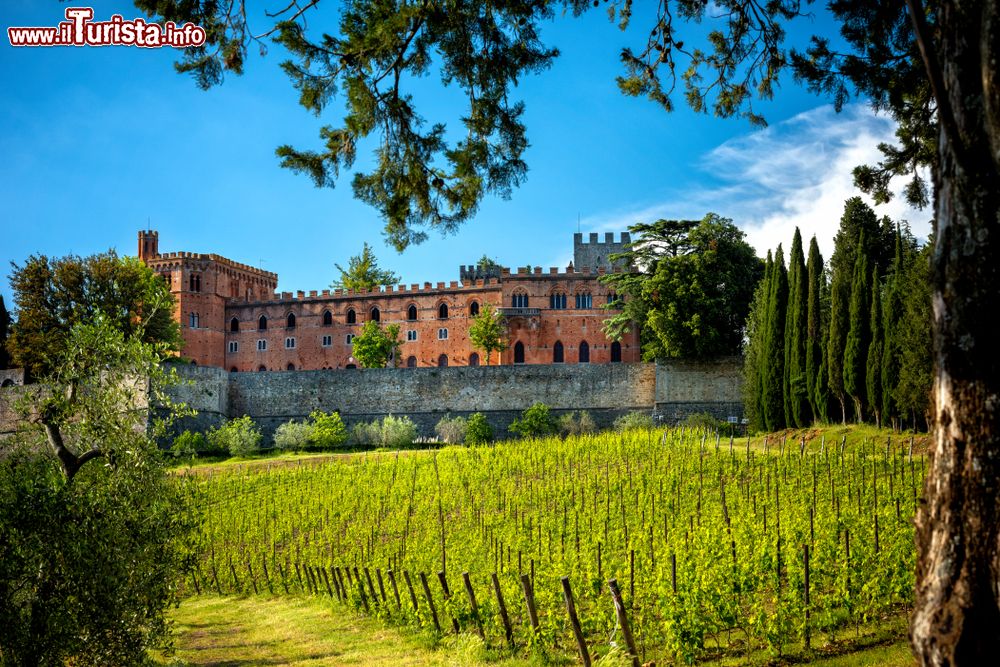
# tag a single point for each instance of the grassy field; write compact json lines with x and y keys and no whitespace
{"x":301,"y":631}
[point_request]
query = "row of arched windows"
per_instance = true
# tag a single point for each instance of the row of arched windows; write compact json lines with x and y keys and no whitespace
{"x":559,"y":354}
{"x":351,"y":317}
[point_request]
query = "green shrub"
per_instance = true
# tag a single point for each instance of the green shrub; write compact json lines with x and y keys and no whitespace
{"x":398,"y":432}
{"x":329,"y":431}
{"x":188,"y":445}
{"x":576,"y":423}
{"x":634,"y":420}
{"x":392,"y":432}
{"x":452,"y":429}
{"x":293,"y":436}
{"x":239,"y":437}
{"x":478,"y":431}
{"x":705,"y":422}
{"x":535,"y":422}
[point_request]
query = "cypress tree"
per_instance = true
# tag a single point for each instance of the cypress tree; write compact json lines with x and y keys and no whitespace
{"x":892,"y":313}
{"x":797,"y":411}
{"x":858,"y":333}
{"x":753,"y":353}
{"x":821,"y":390}
{"x":773,"y":371}
{"x":836,"y":341}
{"x":874,"y":372}
{"x":814,"y":327}
{"x":4,"y":326}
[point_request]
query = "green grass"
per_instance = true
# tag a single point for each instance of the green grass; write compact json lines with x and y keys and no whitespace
{"x":301,"y":631}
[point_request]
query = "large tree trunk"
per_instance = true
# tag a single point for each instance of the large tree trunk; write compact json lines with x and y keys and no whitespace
{"x":956,"y":620}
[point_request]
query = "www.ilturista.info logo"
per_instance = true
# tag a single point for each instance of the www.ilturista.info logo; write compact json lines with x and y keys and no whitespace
{"x":79,"y":30}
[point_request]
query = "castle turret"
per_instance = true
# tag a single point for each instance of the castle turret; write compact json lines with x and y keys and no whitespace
{"x":149,"y":245}
{"x":594,"y":254}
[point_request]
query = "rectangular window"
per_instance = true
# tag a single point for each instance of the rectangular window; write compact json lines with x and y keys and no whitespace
{"x":289,"y":343}
{"x":261,"y":345}
{"x":350,"y":339}
{"x":519,"y":301}
{"x":327,"y":341}
{"x":442,"y":334}
{"x":411,"y":334}
{"x":234,"y":346}
{"x":194,"y":321}
{"x":557,"y":301}
{"x":584,"y":301}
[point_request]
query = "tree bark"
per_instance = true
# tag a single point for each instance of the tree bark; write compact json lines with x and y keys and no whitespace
{"x":956,"y":619}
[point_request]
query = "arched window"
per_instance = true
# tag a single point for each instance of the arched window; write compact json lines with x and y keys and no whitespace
{"x":616,"y":352}
{"x":7,"y":383}
{"x":443,"y":360}
{"x":411,"y":362}
{"x":376,"y":316}
{"x":327,"y":318}
{"x":234,"y":324}
{"x":443,"y":311}
{"x":233,"y":369}
{"x":557,"y":353}
{"x":474,"y":359}
{"x":411,"y":313}
{"x":474,"y":308}
{"x":290,"y":367}
{"x":519,"y":352}
{"x":290,"y":321}
{"x":351,"y":366}
{"x":557,"y":301}
{"x":261,"y":368}
{"x":519,"y":300}
{"x":352,"y":317}
{"x":262,"y":322}
{"x":584,"y":353}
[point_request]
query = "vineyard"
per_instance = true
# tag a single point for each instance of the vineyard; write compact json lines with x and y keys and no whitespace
{"x":674,"y":545}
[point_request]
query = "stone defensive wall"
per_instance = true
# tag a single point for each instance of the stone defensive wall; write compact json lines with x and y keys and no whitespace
{"x":671,"y":390}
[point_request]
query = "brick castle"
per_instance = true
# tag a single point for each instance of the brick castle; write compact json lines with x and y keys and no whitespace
{"x":232,"y":318}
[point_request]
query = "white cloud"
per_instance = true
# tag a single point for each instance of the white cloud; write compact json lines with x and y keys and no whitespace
{"x":795,"y":173}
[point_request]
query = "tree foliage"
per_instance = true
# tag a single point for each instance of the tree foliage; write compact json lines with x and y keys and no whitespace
{"x":773,"y":370}
{"x":814,"y":330}
{"x":239,"y":437}
{"x":96,"y":534}
{"x":858,"y":333}
{"x":52,"y":295}
{"x":363,"y":273}
{"x":535,"y":422}
{"x":488,"y":332}
{"x":376,"y":346}
{"x":688,"y":288}
{"x":4,"y":332}
{"x":797,"y":410}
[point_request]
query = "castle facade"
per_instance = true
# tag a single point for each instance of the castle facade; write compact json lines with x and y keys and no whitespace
{"x":231,"y":316}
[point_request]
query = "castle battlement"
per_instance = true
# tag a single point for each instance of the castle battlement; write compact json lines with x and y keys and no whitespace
{"x":212,"y":257}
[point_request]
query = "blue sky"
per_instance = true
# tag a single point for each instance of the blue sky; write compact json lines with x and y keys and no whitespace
{"x":98,"y":141}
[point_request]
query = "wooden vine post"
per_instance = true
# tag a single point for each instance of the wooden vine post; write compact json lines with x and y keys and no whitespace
{"x":575,"y":622}
{"x":616,"y":597}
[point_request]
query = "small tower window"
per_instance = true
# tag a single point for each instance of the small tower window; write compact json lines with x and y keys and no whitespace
{"x":352,"y":317}
{"x":262,"y":322}
{"x":327,"y":318}
{"x":474,"y":308}
{"x":411,"y":313}
{"x":194,"y":283}
{"x":234,"y":324}
{"x":443,"y":311}
{"x":290,"y":321}
{"x":194,"y":320}
{"x":376,"y":316}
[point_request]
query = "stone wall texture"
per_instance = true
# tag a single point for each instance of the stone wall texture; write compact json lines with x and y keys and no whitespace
{"x":672,"y":389}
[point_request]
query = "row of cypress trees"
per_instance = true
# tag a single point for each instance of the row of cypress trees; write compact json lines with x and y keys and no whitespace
{"x":849,"y":340}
